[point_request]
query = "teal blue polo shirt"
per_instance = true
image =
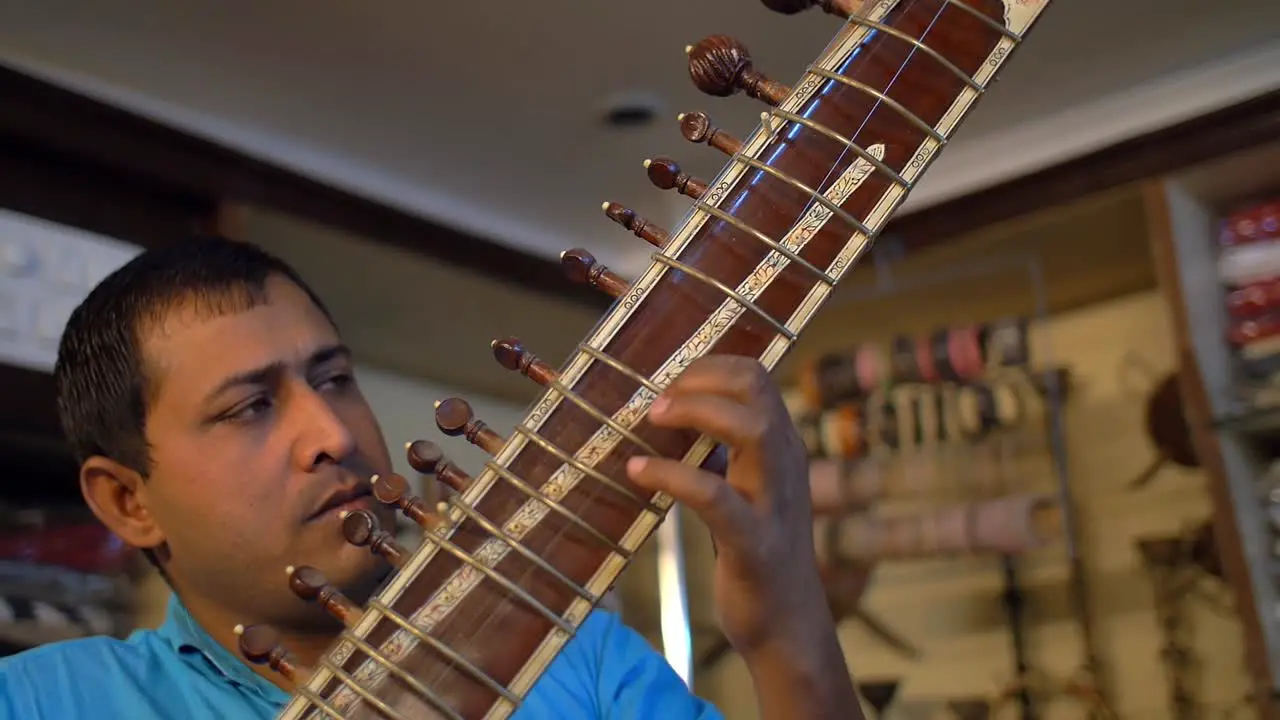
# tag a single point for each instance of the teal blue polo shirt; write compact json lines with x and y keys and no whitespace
{"x":178,"y":672}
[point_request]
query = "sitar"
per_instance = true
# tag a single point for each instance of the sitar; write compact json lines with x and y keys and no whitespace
{"x":519,"y":554}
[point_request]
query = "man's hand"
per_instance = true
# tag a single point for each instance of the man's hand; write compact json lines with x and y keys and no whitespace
{"x":769,"y":595}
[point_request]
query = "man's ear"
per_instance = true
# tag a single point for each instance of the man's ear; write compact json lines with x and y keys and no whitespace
{"x":116,"y":494}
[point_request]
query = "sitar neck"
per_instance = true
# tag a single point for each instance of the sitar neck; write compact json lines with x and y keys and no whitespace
{"x":480,"y":610}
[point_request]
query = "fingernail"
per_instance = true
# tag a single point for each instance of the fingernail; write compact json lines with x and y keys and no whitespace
{"x":636,"y":465}
{"x":660,"y":405}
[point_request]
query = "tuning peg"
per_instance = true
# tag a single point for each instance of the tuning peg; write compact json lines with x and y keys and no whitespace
{"x":697,"y":128}
{"x":791,"y":7}
{"x":393,"y":489}
{"x":721,"y":66}
{"x":260,"y":645}
{"x":427,"y":458}
{"x":309,"y":583}
{"x":642,"y":228}
{"x":581,"y":267}
{"x":454,"y":417}
{"x":511,"y":355}
{"x":361,"y":529}
{"x":667,"y":175}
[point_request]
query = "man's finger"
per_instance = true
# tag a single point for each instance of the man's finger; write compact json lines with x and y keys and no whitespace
{"x":725,"y":420}
{"x":734,"y":376}
{"x":726,"y":513}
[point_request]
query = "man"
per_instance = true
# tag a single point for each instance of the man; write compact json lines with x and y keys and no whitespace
{"x":218,"y":423}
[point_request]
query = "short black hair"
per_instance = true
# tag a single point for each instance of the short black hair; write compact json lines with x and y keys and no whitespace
{"x":101,"y":380}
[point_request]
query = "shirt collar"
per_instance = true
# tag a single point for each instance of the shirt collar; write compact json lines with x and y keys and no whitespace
{"x":186,"y":636}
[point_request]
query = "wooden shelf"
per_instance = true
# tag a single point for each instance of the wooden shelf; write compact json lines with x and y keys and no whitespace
{"x":1235,"y":442}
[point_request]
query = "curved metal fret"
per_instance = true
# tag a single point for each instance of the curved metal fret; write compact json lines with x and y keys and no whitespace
{"x":413,"y":682}
{"x":620,"y":366}
{"x":895,"y":32}
{"x":822,"y":200}
{"x":449,"y":653}
{"x":770,"y":242}
{"x":728,"y":291}
{"x":364,"y":694}
{"x":497,"y":577}
{"x":584,"y":468}
{"x":898,"y":107}
{"x":557,"y":507}
{"x":990,"y":22}
{"x":600,"y":417}
{"x":526,"y":553}
{"x":319,"y":703}
{"x":847,"y":142}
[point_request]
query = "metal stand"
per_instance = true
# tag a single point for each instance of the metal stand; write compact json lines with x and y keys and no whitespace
{"x":1174,"y":573}
{"x":1014,"y":600}
{"x":1090,"y":680}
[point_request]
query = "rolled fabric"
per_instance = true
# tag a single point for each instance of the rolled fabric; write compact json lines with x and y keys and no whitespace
{"x":809,"y":386}
{"x":940,"y":347}
{"x":1009,"y":525}
{"x":810,"y":429}
{"x":837,"y":379}
{"x":840,"y":487}
{"x":882,"y":422}
{"x":1252,"y":224}
{"x":924,"y":360}
{"x":964,"y":347}
{"x":872,"y":367}
{"x":902,"y":358}
{"x":1006,"y":343}
{"x":976,"y":410}
{"x":1260,"y":359}
{"x":1254,"y":300}
{"x":1254,"y":330}
{"x":842,"y":432}
{"x":1255,"y":262}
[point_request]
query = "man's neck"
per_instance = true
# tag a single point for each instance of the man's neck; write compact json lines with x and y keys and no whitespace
{"x":305,"y":646}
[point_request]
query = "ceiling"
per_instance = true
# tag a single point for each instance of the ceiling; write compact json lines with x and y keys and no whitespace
{"x":491,"y":121}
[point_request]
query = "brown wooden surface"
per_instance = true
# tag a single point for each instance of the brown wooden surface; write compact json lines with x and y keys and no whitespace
{"x":499,"y":633}
{"x":1199,"y":419}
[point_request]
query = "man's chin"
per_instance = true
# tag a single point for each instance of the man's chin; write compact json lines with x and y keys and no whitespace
{"x":356,"y":571}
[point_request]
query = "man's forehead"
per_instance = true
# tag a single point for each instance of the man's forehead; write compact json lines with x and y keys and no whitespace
{"x":199,"y":344}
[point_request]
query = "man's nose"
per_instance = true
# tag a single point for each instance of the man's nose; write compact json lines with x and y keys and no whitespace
{"x":324,"y":437}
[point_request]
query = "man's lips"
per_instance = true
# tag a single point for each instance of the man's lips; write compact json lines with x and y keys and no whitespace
{"x":357,"y":498}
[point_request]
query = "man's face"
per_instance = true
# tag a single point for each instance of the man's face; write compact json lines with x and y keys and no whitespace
{"x":255,"y":422}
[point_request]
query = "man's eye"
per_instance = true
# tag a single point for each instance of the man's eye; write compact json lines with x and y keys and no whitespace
{"x":337,"y":381}
{"x":249,"y":411}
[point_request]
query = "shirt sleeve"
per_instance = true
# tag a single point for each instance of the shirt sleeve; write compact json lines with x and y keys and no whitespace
{"x":635,"y":682}
{"x":15,"y":693}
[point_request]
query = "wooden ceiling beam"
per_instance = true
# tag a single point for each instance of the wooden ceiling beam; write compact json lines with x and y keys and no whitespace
{"x":1175,"y":147}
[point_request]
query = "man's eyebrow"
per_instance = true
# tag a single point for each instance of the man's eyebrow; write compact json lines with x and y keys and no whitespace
{"x":264,"y":375}
{"x":328,"y":353}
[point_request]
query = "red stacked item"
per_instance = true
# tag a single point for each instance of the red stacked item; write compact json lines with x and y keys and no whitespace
{"x":1249,"y":268}
{"x":87,"y":547}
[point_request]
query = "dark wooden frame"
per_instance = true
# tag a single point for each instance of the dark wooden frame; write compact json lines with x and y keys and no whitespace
{"x":1200,"y":422}
{"x":1182,"y":145}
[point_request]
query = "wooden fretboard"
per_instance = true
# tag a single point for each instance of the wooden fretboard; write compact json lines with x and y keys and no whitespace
{"x":471,"y":620}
